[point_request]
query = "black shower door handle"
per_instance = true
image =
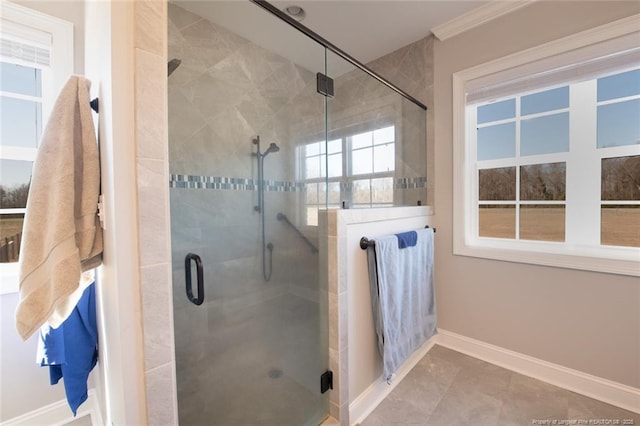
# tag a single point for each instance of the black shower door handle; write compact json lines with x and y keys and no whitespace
{"x":200,"y":277}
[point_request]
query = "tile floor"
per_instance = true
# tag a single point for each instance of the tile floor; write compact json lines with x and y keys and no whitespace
{"x":253,"y":366}
{"x":450,"y":388}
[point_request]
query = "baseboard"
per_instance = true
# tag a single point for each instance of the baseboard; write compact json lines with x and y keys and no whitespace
{"x":59,"y":414}
{"x":368,"y":400}
{"x":604,"y":390}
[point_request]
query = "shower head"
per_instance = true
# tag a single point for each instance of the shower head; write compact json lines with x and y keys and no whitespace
{"x":272,"y":148}
{"x":172,"y":65}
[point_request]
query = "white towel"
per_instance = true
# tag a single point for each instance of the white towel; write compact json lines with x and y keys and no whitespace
{"x":402,"y":295}
{"x":61,"y":235}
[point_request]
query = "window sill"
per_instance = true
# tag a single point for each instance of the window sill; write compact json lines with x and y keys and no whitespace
{"x":8,"y":278}
{"x":612,"y":260}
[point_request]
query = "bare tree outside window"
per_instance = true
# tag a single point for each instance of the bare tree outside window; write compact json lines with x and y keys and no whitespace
{"x":21,"y":117}
{"x":497,"y":184}
{"x":620,"y":181}
{"x":543,"y":182}
{"x":620,"y":178}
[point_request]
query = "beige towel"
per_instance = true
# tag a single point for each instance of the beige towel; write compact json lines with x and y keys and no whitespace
{"x":62,"y":235}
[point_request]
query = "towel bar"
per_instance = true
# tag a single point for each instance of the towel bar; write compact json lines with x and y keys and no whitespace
{"x":366,"y":243}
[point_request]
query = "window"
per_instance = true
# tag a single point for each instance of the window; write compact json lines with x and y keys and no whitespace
{"x":35,"y":61}
{"x":522,"y":145}
{"x":356,"y":169}
{"x":317,"y":157}
{"x":547,"y":148}
{"x":618,"y":125}
{"x":21,"y":115}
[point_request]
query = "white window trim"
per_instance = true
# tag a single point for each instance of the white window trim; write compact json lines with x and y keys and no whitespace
{"x":618,"y":260}
{"x":61,"y":44}
{"x":344,"y":134}
{"x":61,"y":68}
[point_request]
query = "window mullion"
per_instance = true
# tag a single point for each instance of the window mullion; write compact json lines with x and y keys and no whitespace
{"x":347,"y":160}
{"x":583,"y":168}
{"x":21,"y":96}
{"x":471,"y":221}
{"x":518,"y":165}
{"x":18,"y":153}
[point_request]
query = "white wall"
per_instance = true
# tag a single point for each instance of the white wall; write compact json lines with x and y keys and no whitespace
{"x":353,"y":351}
{"x":582,"y":320}
{"x":109,"y":65}
{"x":365,"y":363}
{"x":120,"y":382}
{"x":24,"y":385}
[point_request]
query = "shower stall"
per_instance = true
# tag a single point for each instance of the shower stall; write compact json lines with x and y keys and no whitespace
{"x":251,"y":298}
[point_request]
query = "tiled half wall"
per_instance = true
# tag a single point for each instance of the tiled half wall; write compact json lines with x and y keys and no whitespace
{"x":191,"y":154}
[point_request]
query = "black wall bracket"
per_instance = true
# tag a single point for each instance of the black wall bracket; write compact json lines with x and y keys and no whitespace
{"x":95,"y":105}
{"x":324,"y":85}
{"x":326,"y":381}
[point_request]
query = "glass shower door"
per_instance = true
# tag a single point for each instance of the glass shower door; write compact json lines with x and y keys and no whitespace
{"x":376,"y":142}
{"x":252,"y":343}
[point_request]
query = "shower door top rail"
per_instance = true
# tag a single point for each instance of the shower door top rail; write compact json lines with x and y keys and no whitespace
{"x":327,"y":44}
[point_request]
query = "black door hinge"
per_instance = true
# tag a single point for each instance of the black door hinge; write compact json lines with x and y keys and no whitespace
{"x":326,"y":381}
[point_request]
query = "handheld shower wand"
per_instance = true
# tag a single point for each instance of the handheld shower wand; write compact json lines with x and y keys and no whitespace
{"x":260,"y":207}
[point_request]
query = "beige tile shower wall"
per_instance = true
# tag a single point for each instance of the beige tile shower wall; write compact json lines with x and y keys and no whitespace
{"x":226,"y":91}
{"x":153,"y":206}
{"x":411,"y":69}
{"x":333,"y":283}
{"x":360,"y":97}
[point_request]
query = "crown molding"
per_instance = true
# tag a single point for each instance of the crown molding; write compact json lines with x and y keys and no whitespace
{"x":478,"y":16}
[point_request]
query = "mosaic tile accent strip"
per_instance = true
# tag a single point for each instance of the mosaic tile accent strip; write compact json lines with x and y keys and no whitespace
{"x":230,"y":183}
{"x":399,"y":183}
{"x":243,"y":184}
{"x":410,"y":183}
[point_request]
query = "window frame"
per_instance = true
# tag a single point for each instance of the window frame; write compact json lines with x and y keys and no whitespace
{"x":577,"y":48}
{"x":517,"y":161}
{"x":54,"y":77}
{"x":347,"y":176}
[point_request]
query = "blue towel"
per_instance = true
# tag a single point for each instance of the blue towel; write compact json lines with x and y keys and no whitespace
{"x":407,"y":239}
{"x":402,"y":296}
{"x":71,"y":350}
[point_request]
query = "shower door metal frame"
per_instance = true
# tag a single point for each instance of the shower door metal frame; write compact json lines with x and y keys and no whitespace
{"x":335,"y":49}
